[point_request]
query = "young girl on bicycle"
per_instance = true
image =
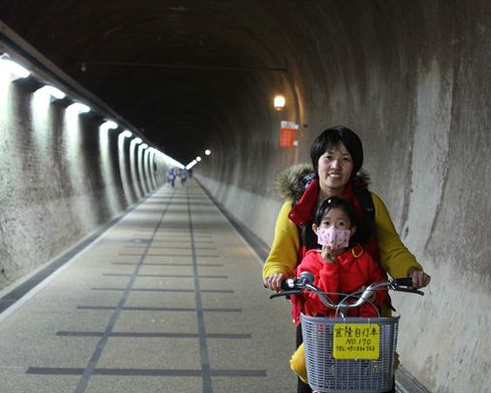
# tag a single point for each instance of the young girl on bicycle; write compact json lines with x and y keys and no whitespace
{"x":340,"y":266}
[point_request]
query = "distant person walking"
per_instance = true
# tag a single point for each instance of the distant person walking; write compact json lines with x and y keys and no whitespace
{"x":171,"y":177}
{"x":184,"y":176}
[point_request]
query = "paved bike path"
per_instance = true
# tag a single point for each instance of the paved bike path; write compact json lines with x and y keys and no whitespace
{"x":169,"y":299}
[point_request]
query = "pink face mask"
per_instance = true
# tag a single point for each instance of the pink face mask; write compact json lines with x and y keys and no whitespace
{"x":332,"y":237}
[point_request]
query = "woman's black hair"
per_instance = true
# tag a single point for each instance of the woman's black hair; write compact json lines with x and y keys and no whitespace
{"x":363,"y":228}
{"x":331,"y":138}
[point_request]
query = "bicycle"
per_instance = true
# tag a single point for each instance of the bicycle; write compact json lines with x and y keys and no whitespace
{"x":348,"y":354}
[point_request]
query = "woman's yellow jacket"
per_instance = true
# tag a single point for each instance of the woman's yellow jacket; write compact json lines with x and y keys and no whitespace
{"x":395,"y":258}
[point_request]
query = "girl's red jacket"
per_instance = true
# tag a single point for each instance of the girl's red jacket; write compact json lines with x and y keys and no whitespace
{"x":351,"y":270}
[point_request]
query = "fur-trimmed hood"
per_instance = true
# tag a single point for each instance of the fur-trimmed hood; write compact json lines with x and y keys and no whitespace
{"x":291,"y":182}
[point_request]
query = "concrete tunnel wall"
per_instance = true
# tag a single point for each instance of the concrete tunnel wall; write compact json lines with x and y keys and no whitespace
{"x":63,"y":176}
{"x":416,"y":87}
{"x":414,"y":83}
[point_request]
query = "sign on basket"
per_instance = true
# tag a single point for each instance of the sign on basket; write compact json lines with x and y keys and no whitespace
{"x":356,"y":341}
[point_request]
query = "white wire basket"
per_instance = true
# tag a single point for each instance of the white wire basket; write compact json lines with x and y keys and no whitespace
{"x":350,"y":354}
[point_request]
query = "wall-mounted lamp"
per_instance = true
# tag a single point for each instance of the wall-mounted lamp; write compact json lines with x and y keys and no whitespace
{"x":126,"y":134}
{"x":279,"y":102}
{"x":207,"y":152}
{"x":51,"y":91}
{"x":15,"y":70}
{"x":78,"y":107}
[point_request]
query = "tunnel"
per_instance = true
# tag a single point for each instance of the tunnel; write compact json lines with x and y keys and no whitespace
{"x":151,"y":85}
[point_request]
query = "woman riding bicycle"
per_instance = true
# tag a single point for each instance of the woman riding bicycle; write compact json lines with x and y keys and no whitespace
{"x":337,"y":157}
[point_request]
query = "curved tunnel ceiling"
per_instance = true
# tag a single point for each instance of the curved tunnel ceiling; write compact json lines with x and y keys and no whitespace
{"x":177,"y":70}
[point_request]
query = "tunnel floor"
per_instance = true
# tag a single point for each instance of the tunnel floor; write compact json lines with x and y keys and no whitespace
{"x":169,"y":299}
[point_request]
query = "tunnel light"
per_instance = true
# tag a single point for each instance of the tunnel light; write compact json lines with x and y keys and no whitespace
{"x":198,"y":158}
{"x":78,"y":107}
{"x":109,"y":125}
{"x":207,"y":152}
{"x":279,"y":102}
{"x":144,"y":146}
{"x":137,"y":140}
{"x":127,"y":134}
{"x":191,"y":164}
{"x":16,"y":70}
{"x":51,"y":91}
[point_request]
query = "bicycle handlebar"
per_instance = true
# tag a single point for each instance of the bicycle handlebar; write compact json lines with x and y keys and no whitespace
{"x":294,"y":286}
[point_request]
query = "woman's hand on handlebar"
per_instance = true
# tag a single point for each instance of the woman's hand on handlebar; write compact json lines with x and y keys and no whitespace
{"x":420,"y":278}
{"x":274,"y":281}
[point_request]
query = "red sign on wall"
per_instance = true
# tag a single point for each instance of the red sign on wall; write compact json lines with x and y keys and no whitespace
{"x":287,"y":133}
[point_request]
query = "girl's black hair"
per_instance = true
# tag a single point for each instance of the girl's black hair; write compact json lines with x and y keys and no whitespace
{"x":330,"y":138}
{"x":334,"y":202}
{"x":363,"y":232}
